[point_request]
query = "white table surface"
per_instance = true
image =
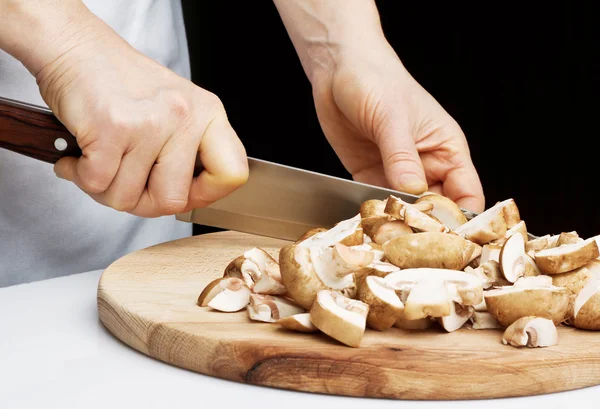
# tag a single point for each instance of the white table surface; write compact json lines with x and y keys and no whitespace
{"x":55,"y":353}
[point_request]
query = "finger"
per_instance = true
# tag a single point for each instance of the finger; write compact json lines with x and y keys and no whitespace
{"x":402,"y":165}
{"x":225,"y":165}
{"x":126,"y":189}
{"x":170,"y":179}
{"x":463,"y":186}
{"x":94,"y":171}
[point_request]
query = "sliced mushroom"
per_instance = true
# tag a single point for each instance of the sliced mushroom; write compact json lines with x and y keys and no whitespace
{"x":384,"y":305}
{"x":574,"y":281}
{"x":464,"y":288}
{"x":389,"y":230}
{"x":570,"y":237}
{"x":270,"y":308}
{"x":512,"y":258}
{"x":520,"y":228}
{"x":412,"y":216}
{"x":508,"y":304}
{"x":531,"y":332}
{"x":298,"y":322}
{"x":567,"y":257}
{"x":259,"y":271}
{"x":586,"y":309}
{"x":489,"y":273}
{"x":350,"y":259}
{"x":541,"y":243}
{"x":534,"y":281}
{"x":372,"y":207}
{"x":429,"y":249}
{"x":342,"y":318}
{"x":459,"y":315}
{"x":422,"y":323}
{"x":226,"y":294}
{"x":444,"y":209}
{"x":484,"y":320}
{"x":492,"y":224}
{"x":490,"y":252}
{"x":348,"y":232}
{"x":376,"y":268}
{"x":428,"y":299}
{"x":307,"y":270}
{"x":311,"y":233}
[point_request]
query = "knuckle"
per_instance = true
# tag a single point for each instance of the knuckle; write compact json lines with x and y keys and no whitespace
{"x":96,"y":182}
{"x":171,"y":205}
{"x":400,"y":156}
{"x":213,"y":103}
{"x":124,"y":203}
{"x":180,"y":106}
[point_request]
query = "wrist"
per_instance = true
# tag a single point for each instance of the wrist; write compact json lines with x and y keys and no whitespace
{"x":38,"y":32}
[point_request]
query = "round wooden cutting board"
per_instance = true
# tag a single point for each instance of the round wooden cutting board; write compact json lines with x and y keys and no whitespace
{"x":148,"y":298}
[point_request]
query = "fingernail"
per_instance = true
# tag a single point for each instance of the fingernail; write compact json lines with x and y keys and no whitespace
{"x":411,"y":183}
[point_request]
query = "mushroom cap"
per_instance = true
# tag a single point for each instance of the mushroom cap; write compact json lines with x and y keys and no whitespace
{"x":259,"y":270}
{"x":376,"y":268}
{"x":298,"y":322}
{"x":389,"y":230}
{"x":341,"y":318}
{"x":419,"y":324}
{"x":490,"y":252}
{"x":372,"y":207}
{"x":428,"y":299}
{"x":568,"y":237}
{"x":464,"y":288}
{"x":543,"y":242}
{"x":384,"y":305}
{"x":586,"y":308}
{"x":534,"y":281}
{"x":567,"y":257}
{"x":429,"y":249}
{"x":348,"y":232}
{"x":225,"y":294}
{"x":444,"y":209}
{"x":306,"y":271}
{"x":519,"y":228}
{"x":531,"y":331}
{"x":508,"y":304}
{"x":310,"y":233}
{"x":412,"y":216}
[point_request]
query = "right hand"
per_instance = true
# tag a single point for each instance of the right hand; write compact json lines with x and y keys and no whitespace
{"x":140,"y":127}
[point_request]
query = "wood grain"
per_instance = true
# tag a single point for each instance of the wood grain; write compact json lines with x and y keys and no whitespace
{"x":148,"y":300}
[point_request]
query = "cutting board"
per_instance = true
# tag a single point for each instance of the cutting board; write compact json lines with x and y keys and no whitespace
{"x":147,"y":299}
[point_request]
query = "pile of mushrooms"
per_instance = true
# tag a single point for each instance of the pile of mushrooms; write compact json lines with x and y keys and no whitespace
{"x":416,"y":266}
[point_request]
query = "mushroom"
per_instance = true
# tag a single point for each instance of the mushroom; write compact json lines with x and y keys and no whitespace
{"x":514,"y":261}
{"x":444,"y":209}
{"x":492,"y":224}
{"x":534,"y":281}
{"x":348,"y":232}
{"x":459,"y":315}
{"x":307,"y":270}
{"x":298,"y":322}
{"x":428,"y":299}
{"x":259,"y":271}
{"x":586,"y":308}
{"x":508,"y":304}
{"x":226,"y":294}
{"x":429,"y":249}
{"x":418,"y":324}
{"x":489,"y":273}
{"x":567,"y":257}
{"x":372,"y":208}
{"x":350,"y":259}
{"x":574,"y":281}
{"x":390,"y":229}
{"x":570,"y":237}
{"x":311,"y":233}
{"x":270,"y":308}
{"x":490,"y":252}
{"x":412,"y":216}
{"x":483,"y":320}
{"x":340,"y":317}
{"x":384,"y":305}
{"x":531,"y":331}
{"x":463,"y":288}
{"x":541,"y":243}
{"x":520,"y":228}
{"x":376,"y":268}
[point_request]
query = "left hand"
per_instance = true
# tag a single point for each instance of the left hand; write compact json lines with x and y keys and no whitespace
{"x":389,"y":131}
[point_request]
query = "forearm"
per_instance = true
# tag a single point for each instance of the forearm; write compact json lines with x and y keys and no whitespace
{"x":36,"y":32}
{"x":324,"y":31}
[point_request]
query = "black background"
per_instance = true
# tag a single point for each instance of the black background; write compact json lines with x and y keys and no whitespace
{"x":521,"y":80}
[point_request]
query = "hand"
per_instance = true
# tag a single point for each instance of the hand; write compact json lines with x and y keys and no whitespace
{"x":388,"y":131}
{"x":140,"y":127}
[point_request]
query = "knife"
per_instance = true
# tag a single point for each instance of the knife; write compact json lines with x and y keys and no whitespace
{"x":277,"y":200}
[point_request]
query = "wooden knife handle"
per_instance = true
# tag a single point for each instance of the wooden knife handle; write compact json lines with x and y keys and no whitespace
{"x":35,"y":132}
{"x":30,"y":131}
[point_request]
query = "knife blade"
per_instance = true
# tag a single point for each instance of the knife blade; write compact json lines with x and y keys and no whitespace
{"x":277,"y":200}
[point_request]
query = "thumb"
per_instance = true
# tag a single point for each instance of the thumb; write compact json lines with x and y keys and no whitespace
{"x":401,"y":163}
